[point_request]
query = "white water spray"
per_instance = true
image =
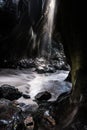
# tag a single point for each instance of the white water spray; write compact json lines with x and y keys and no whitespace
{"x":47,"y":28}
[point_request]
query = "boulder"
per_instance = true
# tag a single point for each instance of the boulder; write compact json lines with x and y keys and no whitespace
{"x":26,"y":96}
{"x":29,"y":123}
{"x":43,"y":96}
{"x":9,"y":92}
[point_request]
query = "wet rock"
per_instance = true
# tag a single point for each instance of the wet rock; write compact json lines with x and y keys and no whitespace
{"x":10,"y":116}
{"x":27,"y":106}
{"x":43,"y":66}
{"x":40,"y":70}
{"x":26,"y":109}
{"x":26,"y":63}
{"x":45,"y":69}
{"x":29,"y":123}
{"x":49,"y":118}
{"x":50,"y":68}
{"x":44,"y":117}
{"x":60,"y":64}
{"x":58,"y":58}
{"x":42,"y":96}
{"x":9,"y":92}
{"x":25,"y":96}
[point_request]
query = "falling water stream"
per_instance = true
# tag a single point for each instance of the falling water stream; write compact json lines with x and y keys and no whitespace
{"x":41,"y":40}
{"x":47,"y":28}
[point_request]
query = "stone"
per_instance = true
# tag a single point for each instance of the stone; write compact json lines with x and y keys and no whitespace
{"x":26,"y":63}
{"x":43,"y":96}
{"x":10,"y":116}
{"x":29,"y":123}
{"x":31,"y":108}
{"x":45,"y":69}
{"x":9,"y":92}
{"x":26,"y":96}
{"x":40,"y":70}
{"x":49,"y":118}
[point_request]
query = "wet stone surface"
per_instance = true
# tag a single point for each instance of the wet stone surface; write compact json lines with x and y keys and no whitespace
{"x":41,"y":65}
{"x":10,"y":116}
{"x":43,"y":96}
{"x":9,"y":92}
{"x":46,"y":115}
{"x":29,"y":123}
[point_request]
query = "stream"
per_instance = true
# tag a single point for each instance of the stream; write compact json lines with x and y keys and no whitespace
{"x":30,"y":82}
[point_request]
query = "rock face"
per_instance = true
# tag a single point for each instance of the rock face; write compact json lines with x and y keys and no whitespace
{"x":75,"y":50}
{"x":73,"y":41}
{"x":9,"y":92}
{"x":18,"y":22}
{"x":42,"y":65}
{"x":17,"y":38}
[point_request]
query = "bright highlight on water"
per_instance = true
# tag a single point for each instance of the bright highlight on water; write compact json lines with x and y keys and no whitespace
{"x":48,"y":28}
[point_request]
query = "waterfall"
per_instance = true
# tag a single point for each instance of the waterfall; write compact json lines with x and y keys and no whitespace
{"x":47,"y":28}
{"x":41,"y":33}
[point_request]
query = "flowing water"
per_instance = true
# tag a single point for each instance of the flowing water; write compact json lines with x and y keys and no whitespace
{"x":41,"y":38}
{"x":47,"y":28}
{"x":30,"y":82}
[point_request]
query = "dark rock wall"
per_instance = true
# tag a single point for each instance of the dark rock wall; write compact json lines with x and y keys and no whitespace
{"x":69,"y":25}
{"x":15,"y":22}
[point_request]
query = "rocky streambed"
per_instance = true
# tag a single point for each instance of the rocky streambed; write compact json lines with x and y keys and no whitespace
{"x":28,"y":99}
{"x":36,"y":96}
